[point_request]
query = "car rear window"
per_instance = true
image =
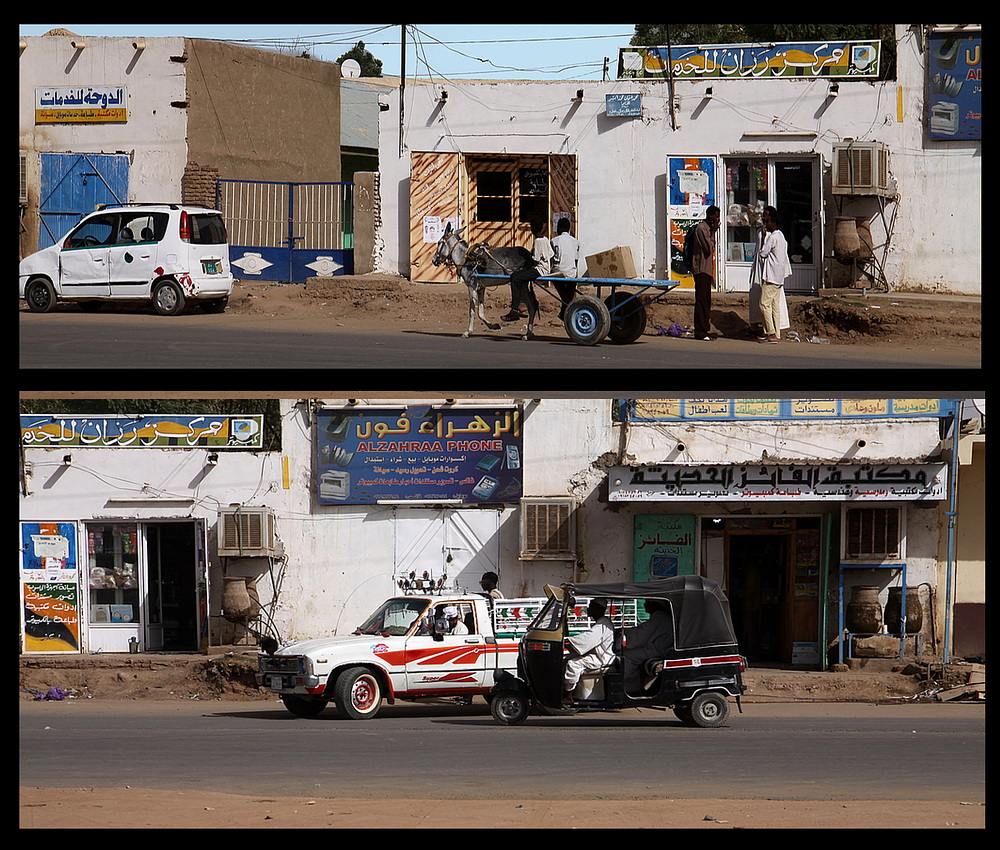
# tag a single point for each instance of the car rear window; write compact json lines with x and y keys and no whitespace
{"x":207,"y":229}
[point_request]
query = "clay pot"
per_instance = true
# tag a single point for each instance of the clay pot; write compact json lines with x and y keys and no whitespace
{"x":846,"y":242}
{"x":864,"y":611}
{"x":867,"y":249}
{"x":236,"y":598}
{"x":914,"y":611}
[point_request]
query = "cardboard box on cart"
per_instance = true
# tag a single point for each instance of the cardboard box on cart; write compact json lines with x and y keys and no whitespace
{"x":615,"y":262}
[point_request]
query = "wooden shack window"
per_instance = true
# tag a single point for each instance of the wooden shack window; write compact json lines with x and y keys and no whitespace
{"x":493,"y":196}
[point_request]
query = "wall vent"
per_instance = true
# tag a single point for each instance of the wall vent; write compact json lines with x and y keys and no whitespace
{"x":548,"y":529}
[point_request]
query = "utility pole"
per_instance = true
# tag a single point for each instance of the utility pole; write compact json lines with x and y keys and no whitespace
{"x":402,"y":82}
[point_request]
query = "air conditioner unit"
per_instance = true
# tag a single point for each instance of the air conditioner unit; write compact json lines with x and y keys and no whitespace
{"x":548,"y":529}
{"x":246,"y":533}
{"x":862,"y":168}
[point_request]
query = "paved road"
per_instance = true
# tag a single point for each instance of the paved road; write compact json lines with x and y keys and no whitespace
{"x":64,"y":340}
{"x":787,"y":751}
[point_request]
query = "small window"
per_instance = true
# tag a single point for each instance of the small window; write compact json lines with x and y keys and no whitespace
{"x":208,"y":229}
{"x":142,"y":227}
{"x":493,"y":193}
{"x":94,"y":232}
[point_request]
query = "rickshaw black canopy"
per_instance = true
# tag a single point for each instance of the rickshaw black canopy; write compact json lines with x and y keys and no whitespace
{"x":700,"y":608}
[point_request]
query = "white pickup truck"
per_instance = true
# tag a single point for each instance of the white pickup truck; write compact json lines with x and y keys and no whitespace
{"x":402,"y":653}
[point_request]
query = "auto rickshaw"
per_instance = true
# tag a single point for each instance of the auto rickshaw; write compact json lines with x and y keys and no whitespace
{"x":695,"y":669}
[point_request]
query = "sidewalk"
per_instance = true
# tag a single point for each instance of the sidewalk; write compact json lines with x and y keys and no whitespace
{"x":228,"y":673}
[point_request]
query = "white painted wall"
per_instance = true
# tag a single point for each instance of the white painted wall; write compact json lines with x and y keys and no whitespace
{"x":155,"y":136}
{"x":339,"y":558}
{"x":936,"y":242}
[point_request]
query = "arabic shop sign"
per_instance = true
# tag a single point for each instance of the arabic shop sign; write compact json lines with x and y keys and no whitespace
{"x":420,"y":454}
{"x":766,"y":482}
{"x":792,"y":409}
{"x":663,"y":547}
{"x":81,"y":105}
{"x":141,"y":432}
{"x":801,"y":59}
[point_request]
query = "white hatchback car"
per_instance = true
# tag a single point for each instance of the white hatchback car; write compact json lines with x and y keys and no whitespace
{"x":169,"y":254}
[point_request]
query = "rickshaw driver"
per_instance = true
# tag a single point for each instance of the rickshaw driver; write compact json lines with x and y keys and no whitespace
{"x":591,"y":649}
{"x":649,"y":640}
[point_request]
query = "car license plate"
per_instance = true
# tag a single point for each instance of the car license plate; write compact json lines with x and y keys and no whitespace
{"x":276,"y":683}
{"x":211,"y":266}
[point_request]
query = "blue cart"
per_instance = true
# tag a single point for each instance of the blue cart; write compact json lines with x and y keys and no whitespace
{"x":621,"y":316}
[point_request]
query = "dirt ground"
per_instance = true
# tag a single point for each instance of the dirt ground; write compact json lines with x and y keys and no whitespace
{"x":229,"y":675}
{"x":373,"y":302}
{"x":229,"y":678}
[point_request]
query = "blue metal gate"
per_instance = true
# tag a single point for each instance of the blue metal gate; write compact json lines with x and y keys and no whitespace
{"x":288,"y":232}
{"x":73,"y":184}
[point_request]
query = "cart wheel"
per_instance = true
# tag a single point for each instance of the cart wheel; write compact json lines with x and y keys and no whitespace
{"x":587,"y":320}
{"x":509,"y":708}
{"x":709,"y":710}
{"x":628,"y":322}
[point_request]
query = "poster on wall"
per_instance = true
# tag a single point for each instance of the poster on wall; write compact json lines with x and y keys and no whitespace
{"x":419,"y":454}
{"x":663,"y":547}
{"x":955,"y":86}
{"x":691,"y":188}
{"x":50,"y":587}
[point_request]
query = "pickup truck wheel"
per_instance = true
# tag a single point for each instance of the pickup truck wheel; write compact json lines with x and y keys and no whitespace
{"x":709,"y":710}
{"x":358,"y":694}
{"x":509,"y":708}
{"x":301,"y":707}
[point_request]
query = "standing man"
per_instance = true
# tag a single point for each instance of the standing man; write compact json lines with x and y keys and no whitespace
{"x":703,"y":269}
{"x":774,"y":268}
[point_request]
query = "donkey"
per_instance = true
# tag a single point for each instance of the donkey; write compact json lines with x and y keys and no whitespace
{"x":472,"y":262}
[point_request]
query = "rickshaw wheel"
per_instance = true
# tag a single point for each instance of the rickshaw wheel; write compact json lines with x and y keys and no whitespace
{"x":709,"y":710}
{"x":509,"y":708}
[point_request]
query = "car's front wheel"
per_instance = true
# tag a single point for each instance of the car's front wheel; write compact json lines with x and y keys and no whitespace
{"x":168,"y":299}
{"x":358,"y":693}
{"x":40,"y":295}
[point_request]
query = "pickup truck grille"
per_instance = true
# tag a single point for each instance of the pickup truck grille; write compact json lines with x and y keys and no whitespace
{"x":282,"y":664}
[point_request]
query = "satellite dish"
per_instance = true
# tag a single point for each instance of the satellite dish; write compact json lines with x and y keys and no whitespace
{"x":350,"y":68}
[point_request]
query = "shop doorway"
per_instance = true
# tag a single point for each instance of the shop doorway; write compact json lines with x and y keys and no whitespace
{"x":771,"y":569}
{"x":792,"y":186}
{"x":171,"y":615}
{"x":758,"y":594}
{"x":147,"y":586}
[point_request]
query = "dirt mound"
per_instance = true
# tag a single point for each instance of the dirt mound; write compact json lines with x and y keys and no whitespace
{"x":229,"y":677}
{"x":389,"y":302}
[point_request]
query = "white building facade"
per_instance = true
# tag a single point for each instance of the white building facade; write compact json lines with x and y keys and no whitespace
{"x":131,"y":540}
{"x":494,"y":155}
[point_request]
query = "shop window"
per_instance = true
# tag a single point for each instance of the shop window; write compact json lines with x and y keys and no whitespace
{"x":113,"y":569}
{"x":534,"y":184}
{"x":746,"y":197}
{"x":494,"y":196}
